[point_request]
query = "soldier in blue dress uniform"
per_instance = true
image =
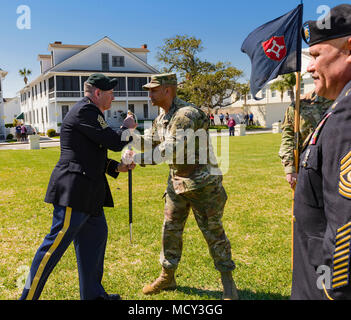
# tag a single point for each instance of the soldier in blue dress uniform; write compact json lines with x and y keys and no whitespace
{"x":322,"y":227}
{"x":78,"y":190}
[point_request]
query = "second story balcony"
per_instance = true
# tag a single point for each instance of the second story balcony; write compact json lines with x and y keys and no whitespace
{"x":76,"y":95}
{"x":71,"y":88}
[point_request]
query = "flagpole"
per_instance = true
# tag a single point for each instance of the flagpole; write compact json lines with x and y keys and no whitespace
{"x":296,"y":154}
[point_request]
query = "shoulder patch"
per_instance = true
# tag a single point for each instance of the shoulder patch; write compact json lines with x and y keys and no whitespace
{"x":345,"y":177}
{"x":102,"y":122}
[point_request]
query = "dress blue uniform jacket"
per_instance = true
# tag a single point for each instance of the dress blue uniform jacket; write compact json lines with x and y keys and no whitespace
{"x":322,"y":231}
{"x":78,"y":180}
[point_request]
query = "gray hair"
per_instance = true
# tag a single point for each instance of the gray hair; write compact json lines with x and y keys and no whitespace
{"x":89,"y":88}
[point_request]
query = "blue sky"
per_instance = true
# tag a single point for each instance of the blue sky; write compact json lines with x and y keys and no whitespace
{"x":222,"y":25}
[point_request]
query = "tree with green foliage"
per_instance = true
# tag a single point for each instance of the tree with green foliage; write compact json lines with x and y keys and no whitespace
{"x":203,"y":83}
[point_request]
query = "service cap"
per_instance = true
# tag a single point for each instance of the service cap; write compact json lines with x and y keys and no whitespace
{"x":313,"y":32}
{"x":102,"y":82}
{"x":161,"y":80}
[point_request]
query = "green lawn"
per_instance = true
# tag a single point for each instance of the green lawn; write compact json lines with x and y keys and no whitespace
{"x":256,"y":220}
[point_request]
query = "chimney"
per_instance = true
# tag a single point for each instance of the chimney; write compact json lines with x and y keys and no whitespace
{"x":144,"y":46}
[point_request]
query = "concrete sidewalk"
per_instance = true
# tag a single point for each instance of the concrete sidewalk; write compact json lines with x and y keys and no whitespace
{"x":45,"y":142}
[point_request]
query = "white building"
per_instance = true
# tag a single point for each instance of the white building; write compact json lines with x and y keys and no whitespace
{"x":271,"y":108}
{"x":2,"y":115}
{"x":12,"y":109}
{"x":46,"y":100}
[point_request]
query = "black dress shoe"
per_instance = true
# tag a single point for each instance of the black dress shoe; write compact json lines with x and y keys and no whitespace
{"x":109,"y":297}
{"x":114,"y":297}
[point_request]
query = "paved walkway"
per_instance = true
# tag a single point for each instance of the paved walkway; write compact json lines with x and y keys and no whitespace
{"x":248,"y":132}
{"x":45,"y":142}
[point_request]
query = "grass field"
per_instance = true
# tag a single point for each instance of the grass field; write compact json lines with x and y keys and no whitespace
{"x":256,"y":220}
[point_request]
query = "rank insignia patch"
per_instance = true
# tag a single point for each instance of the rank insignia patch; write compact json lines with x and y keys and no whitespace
{"x":102,"y":122}
{"x":345,"y":176}
{"x":341,"y":258}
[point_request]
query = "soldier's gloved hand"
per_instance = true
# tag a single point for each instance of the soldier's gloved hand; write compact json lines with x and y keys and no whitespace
{"x":129,"y":122}
{"x":291,"y":178}
{"x":123,"y":167}
{"x":128,"y":157}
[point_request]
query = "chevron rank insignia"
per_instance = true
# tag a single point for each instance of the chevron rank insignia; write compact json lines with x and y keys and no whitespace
{"x":102,"y":122}
{"x":341,"y":258}
{"x":345,"y":176}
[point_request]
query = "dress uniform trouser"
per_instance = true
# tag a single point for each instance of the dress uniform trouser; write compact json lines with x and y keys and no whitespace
{"x":89,"y":234}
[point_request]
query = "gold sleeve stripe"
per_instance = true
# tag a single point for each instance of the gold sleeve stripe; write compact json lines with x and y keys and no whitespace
{"x":341,"y":271}
{"x":345,"y":165}
{"x":343,"y":240}
{"x":344,"y":227}
{"x":347,"y":170}
{"x":341,"y":266}
{"x":345,"y":194}
{"x":341,"y":259}
{"x":341,"y":253}
{"x":344,"y":182}
{"x":343,"y":234}
{"x":340,"y":284}
{"x":348,"y":156}
{"x":342,"y":247}
{"x":344,"y":188}
{"x":108,"y":164}
{"x":340,"y":278}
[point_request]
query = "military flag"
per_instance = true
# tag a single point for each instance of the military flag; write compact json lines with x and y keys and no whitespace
{"x":274,"y":49}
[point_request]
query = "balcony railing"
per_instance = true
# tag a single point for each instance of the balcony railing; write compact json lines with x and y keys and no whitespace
{"x":78,"y":94}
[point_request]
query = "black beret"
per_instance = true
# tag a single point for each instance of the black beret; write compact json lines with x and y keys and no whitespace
{"x":102,"y":82}
{"x":340,"y":26}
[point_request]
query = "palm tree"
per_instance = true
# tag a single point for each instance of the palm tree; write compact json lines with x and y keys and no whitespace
{"x":286,"y":82}
{"x":279,"y":86}
{"x":244,"y":90}
{"x":24,"y":73}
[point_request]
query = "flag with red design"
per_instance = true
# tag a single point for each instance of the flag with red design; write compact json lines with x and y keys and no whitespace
{"x":274,"y":49}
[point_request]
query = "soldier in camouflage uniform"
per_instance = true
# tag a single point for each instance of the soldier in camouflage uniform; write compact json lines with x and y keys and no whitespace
{"x":312,"y":108}
{"x":192,"y":184}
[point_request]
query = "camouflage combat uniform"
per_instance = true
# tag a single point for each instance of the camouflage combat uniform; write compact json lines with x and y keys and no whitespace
{"x":189,"y":185}
{"x":312,"y":109}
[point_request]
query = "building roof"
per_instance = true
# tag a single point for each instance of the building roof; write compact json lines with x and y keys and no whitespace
{"x":44,"y":56}
{"x":3,"y":73}
{"x":58,"y":44}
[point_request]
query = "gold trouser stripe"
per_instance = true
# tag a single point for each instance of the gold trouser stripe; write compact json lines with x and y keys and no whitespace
{"x":343,"y":240}
{"x":48,"y":254}
{"x":326,"y":292}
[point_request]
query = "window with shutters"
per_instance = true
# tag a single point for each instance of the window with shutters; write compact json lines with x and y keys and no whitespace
{"x":104,"y":62}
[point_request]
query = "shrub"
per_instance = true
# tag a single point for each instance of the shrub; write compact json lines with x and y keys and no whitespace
{"x":9,"y":136}
{"x":51,"y":133}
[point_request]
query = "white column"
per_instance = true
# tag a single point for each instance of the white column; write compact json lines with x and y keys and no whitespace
{"x":127,"y":100}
